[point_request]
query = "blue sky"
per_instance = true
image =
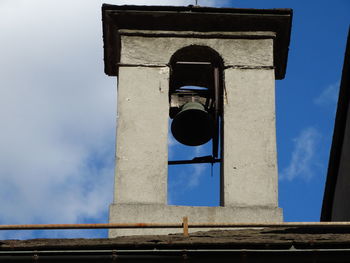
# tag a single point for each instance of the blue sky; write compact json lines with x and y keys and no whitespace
{"x":58,"y":113}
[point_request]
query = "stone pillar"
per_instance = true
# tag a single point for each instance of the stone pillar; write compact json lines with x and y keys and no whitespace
{"x":142,"y":135}
{"x":250,"y":163}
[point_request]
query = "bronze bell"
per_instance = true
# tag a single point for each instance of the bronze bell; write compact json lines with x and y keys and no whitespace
{"x":193,"y":125}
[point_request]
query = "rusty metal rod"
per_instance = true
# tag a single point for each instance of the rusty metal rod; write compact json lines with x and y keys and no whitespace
{"x":88,"y":226}
{"x":185,"y":226}
{"x":174,"y":225}
{"x":281,"y":224}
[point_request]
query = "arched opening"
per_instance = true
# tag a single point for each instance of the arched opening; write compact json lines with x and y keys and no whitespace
{"x":195,"y":118}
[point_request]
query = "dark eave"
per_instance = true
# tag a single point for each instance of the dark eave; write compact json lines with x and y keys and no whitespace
{"x":252,"y":245}
{"x":338,"y":138}
{"x":194,"y":18}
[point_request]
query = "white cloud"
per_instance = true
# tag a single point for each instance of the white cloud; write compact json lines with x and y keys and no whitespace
{"x":58,"y":116}
{"x":57,"y":111}
{"x":171,"y":143}
{"x":187,"y":176}
{"x":198,"y":169}
{"x":190,"y":175}
{"x":216,"y":3}
{"x":328,"y":96}
{"x":303,"y":160}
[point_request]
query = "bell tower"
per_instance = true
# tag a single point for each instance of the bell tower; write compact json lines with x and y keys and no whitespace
{"x":159,"y":53}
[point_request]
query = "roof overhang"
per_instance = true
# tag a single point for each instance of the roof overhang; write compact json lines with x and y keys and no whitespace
{"x":262,"y":244}
{"x":194,"y":18}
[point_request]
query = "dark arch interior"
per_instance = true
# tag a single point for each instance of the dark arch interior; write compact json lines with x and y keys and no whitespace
{"x":193,"y":66}
{"x":196,"y":76}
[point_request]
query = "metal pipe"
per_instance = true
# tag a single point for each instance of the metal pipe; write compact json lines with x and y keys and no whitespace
{"x":193,"y":63}
{"x":208,"y":159}
{"x":174,"y":225}
{"x":215,"y":145}
{"x":88,"y":226}
{"x":281,"y":224}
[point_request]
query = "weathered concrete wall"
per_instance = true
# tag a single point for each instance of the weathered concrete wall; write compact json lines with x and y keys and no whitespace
{"x":158,"y":50}
{"x":126,"y":213}
{"x":250,"y":164}
{"x":142,"y":135}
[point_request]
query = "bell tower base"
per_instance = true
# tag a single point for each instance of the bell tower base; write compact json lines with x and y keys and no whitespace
{"x":157,"y":213}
